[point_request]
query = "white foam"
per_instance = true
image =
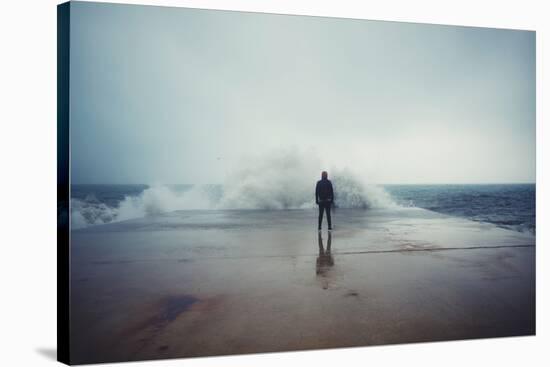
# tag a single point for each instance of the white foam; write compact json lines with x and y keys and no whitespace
{"x":282,"y":180}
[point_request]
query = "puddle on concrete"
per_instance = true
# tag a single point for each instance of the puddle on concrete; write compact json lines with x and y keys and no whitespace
{"x":173,"y":306}
{"x":165,"y":311}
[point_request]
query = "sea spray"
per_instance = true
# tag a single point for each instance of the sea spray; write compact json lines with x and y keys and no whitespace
{"x":281,"y":180}
{"x":353,"y":192}
{"x":151,"y":201}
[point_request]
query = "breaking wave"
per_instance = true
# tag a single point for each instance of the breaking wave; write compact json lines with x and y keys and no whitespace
{"x":281,"y":181}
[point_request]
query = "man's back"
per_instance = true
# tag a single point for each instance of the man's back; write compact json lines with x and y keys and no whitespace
{"x":323,"y":190}
{"x":324,"y":197}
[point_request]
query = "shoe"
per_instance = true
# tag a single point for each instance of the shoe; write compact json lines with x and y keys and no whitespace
{"x":330,"y":229}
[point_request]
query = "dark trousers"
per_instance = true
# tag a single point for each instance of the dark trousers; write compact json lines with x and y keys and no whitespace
{"x":324,"y":207}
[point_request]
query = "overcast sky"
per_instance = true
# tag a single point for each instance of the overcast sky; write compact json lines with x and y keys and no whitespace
{"x":173,"y":95}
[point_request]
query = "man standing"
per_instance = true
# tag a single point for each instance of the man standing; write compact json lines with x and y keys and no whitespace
{"x":324,"y":196}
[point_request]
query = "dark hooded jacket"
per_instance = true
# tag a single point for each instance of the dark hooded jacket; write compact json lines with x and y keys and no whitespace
{"x":323,"y":192}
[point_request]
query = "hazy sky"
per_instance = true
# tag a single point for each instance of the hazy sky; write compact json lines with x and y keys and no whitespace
{"x":173,"y":95}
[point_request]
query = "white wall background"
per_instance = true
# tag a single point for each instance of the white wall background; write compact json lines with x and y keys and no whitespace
{"x":28,"y":182}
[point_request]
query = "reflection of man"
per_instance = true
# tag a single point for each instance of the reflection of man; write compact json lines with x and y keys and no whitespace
{"x":324,"y":260}
{"x":324,"y":196}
